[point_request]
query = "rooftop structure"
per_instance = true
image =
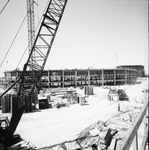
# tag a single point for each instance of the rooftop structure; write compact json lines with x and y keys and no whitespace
{"x":139,"y":68}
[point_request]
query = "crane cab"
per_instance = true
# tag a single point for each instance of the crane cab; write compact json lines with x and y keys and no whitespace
{"x":4,"y":123}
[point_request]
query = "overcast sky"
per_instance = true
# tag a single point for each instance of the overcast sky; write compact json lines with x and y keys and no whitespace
{"x":92,"y":33}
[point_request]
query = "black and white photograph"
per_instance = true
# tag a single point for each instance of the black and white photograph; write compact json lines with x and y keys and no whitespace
{"x":74,"y":74}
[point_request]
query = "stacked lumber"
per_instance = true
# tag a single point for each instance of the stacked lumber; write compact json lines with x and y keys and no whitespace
{"x":105,"y":138}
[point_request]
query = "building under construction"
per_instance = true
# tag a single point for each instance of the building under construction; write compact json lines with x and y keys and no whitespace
{"x":26,"y":99}
{"x":77,"y":77}
{"x":139,"y":68}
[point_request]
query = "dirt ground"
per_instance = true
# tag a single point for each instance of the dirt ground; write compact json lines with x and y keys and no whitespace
{"x":51,"y":126}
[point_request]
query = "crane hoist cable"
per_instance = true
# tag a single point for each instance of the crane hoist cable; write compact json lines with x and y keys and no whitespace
{"x":22,"y":57}
{"x":4,"y":6}
{"x":12,"y":41}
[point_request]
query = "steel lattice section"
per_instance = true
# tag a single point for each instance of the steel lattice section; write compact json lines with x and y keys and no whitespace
{"x":42,"y":46}
{"x":46,"y":35}
{"x":31,"y":25}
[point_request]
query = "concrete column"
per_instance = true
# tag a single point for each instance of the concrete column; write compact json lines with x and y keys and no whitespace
{"x":63,"y":78}
{"x":76,"y":77}
{"x":102,"y":77}
{"x":48,"y":79}
{"x":125,"y":76}
{"x":88,"y":77}
{"x":114,"y":77}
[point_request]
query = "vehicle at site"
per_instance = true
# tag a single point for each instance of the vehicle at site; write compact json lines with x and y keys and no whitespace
{"x":6,"y":128}
{"x":122,"y":94}
{"x":117,"y":94}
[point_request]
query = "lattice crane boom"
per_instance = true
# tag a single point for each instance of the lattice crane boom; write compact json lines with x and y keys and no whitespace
{"x":46,"y":34}
{"x":44,"y":40}
{"x":41,"y":47}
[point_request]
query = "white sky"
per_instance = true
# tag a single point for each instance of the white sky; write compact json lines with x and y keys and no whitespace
{"x":92,"y":33}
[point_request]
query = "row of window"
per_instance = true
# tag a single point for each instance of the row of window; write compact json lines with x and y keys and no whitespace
{"x":78,"y":78}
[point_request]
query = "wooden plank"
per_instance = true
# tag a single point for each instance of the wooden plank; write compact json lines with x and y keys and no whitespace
{"x":127,"y":140}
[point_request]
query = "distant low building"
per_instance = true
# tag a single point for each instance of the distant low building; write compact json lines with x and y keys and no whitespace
{"x":140,"y":69}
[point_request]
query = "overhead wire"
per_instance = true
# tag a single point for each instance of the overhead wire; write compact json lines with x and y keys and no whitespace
{"x":37,"y":10}
{"x":21,"y":57}
{"x":4,"y":6}
{"x":12,"y":41}
{"x":16,"y":36}
{"x":42,"y":14}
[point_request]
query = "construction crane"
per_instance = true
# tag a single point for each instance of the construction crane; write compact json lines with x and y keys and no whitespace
{"x":40,"y":49}
{"x":31,"y":26}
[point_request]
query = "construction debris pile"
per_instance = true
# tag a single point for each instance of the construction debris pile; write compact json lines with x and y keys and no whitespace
{"x":100,"y":135}
{"x":63,"y":97}
{"x":47,"y":98}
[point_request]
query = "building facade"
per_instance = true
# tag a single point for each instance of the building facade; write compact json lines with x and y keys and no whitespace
{"x":140,"y":69}
{"x":78,"y":77}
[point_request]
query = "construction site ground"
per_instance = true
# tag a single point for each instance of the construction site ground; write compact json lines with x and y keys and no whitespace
{"x":56,"y":125}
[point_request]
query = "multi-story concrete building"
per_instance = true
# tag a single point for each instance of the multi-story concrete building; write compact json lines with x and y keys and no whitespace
{"x":78,"y":77}
{"x":139,"y":68}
